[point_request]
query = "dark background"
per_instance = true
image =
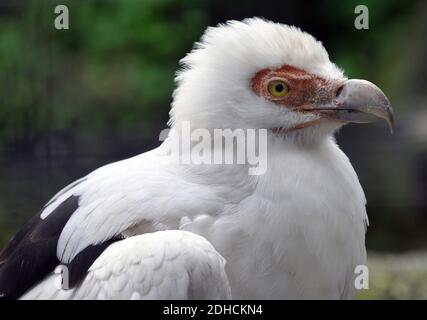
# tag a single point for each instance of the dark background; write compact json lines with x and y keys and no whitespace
{"x":73,"y":100}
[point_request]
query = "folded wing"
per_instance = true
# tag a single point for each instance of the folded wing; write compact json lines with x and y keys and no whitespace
{"x":83,"y":219}
{"x":160,"y":265}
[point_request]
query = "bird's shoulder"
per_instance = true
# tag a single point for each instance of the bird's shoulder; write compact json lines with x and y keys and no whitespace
{"x":84,"y":218}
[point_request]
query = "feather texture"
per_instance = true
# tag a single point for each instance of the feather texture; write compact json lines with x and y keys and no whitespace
{"x":161,"y":265}
{"x":297,"y":231}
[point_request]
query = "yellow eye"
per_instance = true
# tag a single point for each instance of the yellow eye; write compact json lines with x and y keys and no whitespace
{"x":277,"y":88}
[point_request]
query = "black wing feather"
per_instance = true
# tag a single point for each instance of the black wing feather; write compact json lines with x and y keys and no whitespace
{"x":78,"y":267}
{"x":31,"y":254}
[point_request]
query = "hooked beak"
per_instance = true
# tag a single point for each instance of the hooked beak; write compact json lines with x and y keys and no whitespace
{"x":358,"y":101}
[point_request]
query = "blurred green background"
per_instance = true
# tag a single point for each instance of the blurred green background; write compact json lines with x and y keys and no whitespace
{"x":73,"y":100}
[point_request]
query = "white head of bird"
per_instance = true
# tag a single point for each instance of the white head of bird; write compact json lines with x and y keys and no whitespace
{"x":259,"y":74}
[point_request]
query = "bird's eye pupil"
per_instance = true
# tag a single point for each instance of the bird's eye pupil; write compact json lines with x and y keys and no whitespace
{"x":277,"y":88}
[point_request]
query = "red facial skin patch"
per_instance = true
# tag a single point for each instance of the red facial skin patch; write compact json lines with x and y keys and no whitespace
{"x":305,"y":89}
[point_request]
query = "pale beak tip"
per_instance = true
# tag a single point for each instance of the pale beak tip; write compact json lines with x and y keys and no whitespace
{"x":389,"y":118}
{"x":391,"y":124}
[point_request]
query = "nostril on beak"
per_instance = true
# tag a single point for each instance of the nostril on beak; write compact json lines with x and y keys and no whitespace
{"x":339,"y":90}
